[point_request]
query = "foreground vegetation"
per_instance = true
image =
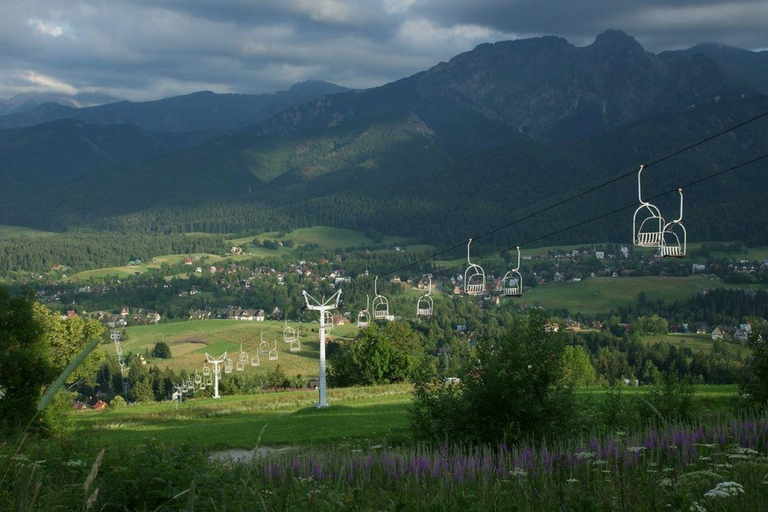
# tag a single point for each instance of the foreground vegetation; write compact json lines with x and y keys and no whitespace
{"x":357,"y":455}
{"x":509,"y":432}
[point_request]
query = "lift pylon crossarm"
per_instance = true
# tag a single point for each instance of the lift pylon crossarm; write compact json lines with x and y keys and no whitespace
{"x":474,"y":277}
{"x":647,"y":222}
{"x":675,"y":237}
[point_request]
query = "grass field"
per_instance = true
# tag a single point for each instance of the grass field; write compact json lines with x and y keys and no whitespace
{"x":189,"y":341}
{"x":11,"y":231}
{"x":601,"y":294}
{"x":324,"y":236}
{"x":156,"y":263}
{"x":357,"y":416}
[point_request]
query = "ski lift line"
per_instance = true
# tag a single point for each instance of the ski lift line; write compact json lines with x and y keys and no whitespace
{"x":583,"y":193}
{"x":617,"y":210}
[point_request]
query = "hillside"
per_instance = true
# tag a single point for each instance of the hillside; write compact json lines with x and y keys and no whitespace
{"x":199,"y":111}
{"x":543,"y":88}
{"x":464,"y":147}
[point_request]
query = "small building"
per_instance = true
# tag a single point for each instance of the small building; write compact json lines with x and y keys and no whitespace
{"x":718,"y":333}
{"x":600,"y":255}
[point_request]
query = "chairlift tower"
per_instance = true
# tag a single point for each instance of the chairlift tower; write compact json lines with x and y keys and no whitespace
{"x":115,"y":336}
{"x":180,"y":390}
{"x":322,"y":307}
{"x":216,"y":370}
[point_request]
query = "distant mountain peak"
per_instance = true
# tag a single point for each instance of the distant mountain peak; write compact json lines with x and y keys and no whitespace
{"x":615,"y":40}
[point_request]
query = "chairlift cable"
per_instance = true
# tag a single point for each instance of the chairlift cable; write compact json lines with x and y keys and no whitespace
{"x":583,"y":193}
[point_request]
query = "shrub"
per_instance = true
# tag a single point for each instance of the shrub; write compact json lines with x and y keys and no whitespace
{"x":117,"y":402}
{"x":161,"y":350}
{"x":513,"y":388}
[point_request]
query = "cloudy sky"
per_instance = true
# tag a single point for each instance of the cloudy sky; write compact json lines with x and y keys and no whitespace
{"x":148,"y":49}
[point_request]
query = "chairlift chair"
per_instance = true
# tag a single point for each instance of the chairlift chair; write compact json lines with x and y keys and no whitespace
{"x":425,"y":304}
{"x":674,"y":239}
{"x":289,"y":334}
{"x":263,"y":346}
{"x":474,"y":277}
{"x":328,"y":321}
{"x":240,"y":366}
{"x":273,"y":353}
{"x":206,"y":370}
{"x":296,"y":346}
{"x":208,"y":382}
{"x":255,"y":361}
{"x":364,"y":316}
{"x":647,"y":223}
{"x":380,"y":304}
{"x":512,"y":284}
{"x":198,"y":378}
{"x":228,"y":366}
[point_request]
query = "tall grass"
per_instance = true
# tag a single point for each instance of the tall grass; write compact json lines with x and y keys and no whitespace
{"x":708,"y":466}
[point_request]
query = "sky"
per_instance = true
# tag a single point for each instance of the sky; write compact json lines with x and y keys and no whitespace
{"x":149,"y":49}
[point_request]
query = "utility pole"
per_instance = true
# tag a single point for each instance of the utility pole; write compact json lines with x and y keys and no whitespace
{"x":326,"y":305}
{"x":216,"y":371}
{"x":115,"y":336}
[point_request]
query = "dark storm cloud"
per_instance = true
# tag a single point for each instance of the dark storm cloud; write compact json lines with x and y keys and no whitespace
{"x":658,"y":25}
{"x":144,"y":49}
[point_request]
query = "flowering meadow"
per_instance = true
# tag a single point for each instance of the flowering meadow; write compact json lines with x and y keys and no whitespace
{"x":708,"y":467}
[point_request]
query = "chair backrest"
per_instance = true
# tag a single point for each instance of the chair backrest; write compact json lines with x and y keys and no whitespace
{"x":474,"y":277}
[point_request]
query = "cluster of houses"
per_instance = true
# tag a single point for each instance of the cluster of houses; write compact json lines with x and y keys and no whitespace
{"x":141,"y":316}
{"x":235,"y":313}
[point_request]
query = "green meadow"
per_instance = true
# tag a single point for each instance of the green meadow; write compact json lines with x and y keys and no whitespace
{"x":11,"y":231}
{"x":189,"y":342}
{"x":601,"y":294}
{"x":358,"y":416}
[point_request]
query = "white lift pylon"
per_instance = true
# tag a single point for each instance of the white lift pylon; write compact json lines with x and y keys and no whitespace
{"x":326,"y":305}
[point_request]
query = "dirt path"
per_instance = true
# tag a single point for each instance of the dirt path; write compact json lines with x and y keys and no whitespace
{"x":236,"y":456}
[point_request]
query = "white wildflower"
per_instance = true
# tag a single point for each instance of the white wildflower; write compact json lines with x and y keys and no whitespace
{"x":743,"y":451}
{"x":665,"y":482}
{"x":703,"y":457}
{"x":705,"y":445}
{"x":572,"y":481}
{"x":723,"y":465}
{"x":585,"y":455}
{"x":635,"y":449}
{"x":600,"y":462}
{"x":519,"y":472}
{"x":668,"y":470}
{"x":74,"y":463}
{"x":695,"y":507}
{"x":724,"y":490}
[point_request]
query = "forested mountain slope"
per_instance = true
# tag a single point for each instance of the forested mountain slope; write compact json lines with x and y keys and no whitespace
{"x":199,"y":111}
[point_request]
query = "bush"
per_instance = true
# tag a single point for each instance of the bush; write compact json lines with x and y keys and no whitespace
{"x":117,"y":402}
{"x":161,"y":350}
{"x":670,"y":401}
{"x":512,"y":389}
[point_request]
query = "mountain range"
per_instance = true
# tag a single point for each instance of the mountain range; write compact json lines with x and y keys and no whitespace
{"x":465,"y":145}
